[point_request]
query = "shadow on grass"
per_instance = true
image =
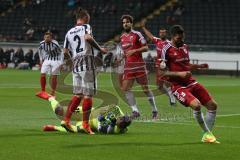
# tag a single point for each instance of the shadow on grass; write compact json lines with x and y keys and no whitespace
{"x":31,"y":133}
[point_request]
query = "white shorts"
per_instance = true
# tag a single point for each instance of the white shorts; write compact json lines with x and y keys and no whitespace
{"x":51,"y":67}
{"x":119,"y":69}
{"x":84,"y":83}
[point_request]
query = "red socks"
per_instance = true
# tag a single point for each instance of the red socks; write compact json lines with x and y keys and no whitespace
{"x":53,"y":84}
{"x":74,"y":103}
{"x":86,"y":108}
{"x":43,"y":82}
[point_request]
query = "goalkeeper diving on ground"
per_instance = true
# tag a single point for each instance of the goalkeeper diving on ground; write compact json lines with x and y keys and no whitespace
{"x":105,"y":120}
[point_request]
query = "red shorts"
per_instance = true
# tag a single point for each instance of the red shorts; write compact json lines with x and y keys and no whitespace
{"x":162,"y":80}
{"x":140,"y":74}
{"x":187,"y":94}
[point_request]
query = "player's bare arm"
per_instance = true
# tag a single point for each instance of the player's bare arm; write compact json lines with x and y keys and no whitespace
{"x":164,"y":72}
{"x":93,"y":43}
{"x":198,"y":66}
{"x":139,"y":50}
{"x":146,"y":31}
{"x":66,"y":54}
{"x":67,"y":57}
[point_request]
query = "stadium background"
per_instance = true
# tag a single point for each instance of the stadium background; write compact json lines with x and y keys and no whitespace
{"x":210,"y":25}
{"x":212,"y":32}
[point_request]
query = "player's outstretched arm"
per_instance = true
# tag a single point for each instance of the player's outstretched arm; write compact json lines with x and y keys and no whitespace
{"x":93,"y":43}
{"x":166,"y":73}
{"x":198,"y":66}
{"x":146,"y":31}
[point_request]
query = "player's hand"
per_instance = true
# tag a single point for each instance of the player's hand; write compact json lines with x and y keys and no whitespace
{"x":142,"y":23}
{"x":204,"y":65}
{"x":130,"y":52}
{"x":103,"y":50}
{"x":185,"y":74}
{"x":40,"y":64}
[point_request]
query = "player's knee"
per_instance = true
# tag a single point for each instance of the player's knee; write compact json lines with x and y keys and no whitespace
{"x":125,"y":89}
{"x":87,"y":97}
{"x":212,"y":105}
{"x":59,"y":111}
{"x":145,"y":89}
{"x":78,"y":95}
{"x":195,"y":105}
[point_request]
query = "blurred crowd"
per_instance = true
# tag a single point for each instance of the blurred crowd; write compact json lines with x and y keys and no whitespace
{"x":10,"y":58}
{"x":175,"y":12}
{"x":32,"y":31}
{"x":9,"y":4}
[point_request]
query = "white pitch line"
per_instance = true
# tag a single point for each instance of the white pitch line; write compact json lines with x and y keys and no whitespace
{"x":228,"y":115}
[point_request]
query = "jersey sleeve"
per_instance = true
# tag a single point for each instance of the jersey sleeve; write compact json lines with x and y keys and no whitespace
{"x":40,"y":53}
{"x":155,"y":40}
{"x":164,"y":51}
{"x":88,"y":29}
{"x":141,"y":39}
{"x":59,"y":50}
{"x":58,"y":47}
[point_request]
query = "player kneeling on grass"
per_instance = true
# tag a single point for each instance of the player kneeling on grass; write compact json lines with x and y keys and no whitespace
{"x":176,"y":66}
{"x":106,"y":120}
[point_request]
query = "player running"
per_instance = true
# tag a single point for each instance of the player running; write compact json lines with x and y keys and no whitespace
{"x":79,"y":41}
{"x":133,"y":44}
{"x":160,"y":42}
{"x":51,"y":59}
{"x":175,"y":65}
{"x":106,"y":120}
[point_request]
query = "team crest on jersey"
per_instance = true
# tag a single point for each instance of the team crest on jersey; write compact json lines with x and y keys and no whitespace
{"x":131,"y":38}
{"x":185,"y":50}
{"x":175,"y":53}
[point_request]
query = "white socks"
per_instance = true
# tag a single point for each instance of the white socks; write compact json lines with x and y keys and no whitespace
{"x":151,"y":100}
{"x":131,"y":100}
{"x":199,"y":118}
{"x":210,"y":118}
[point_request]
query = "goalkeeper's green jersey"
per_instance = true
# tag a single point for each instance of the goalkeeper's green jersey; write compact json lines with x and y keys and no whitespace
{"x":60,"y":111}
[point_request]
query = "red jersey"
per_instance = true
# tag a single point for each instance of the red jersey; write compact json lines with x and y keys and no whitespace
{"x":159,"y":45}
{"x":130,"y":41}
{"x":177,"y":60}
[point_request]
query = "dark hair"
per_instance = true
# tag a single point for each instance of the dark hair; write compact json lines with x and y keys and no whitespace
{"x":123,"y":121}
{"x":128,"y":17}
{"x":81,"y":13}
{"x":176,"y":29}
{"x":48,"y":33}
{"x":162,"y":28}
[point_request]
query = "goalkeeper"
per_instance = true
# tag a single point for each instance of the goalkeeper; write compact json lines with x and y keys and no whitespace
{"x":106,"y":120}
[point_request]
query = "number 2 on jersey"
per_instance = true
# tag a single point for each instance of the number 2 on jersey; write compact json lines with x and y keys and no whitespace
{"x":78,"y":39}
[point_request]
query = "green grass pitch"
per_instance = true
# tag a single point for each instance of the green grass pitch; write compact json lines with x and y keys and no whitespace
{"x":22,"y":116}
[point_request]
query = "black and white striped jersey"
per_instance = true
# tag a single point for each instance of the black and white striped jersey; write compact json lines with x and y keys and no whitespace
{"x":50,"y":51}
{"x":82,"y":51}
